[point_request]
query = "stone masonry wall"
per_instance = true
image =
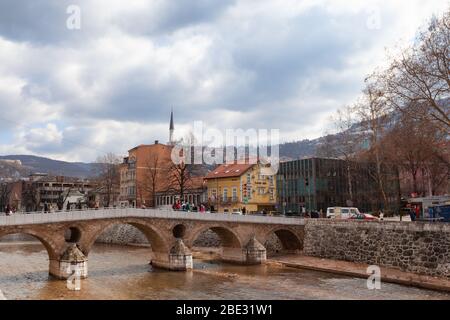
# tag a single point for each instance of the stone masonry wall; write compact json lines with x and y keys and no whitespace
{"x":127,"y":234}
{"x":17,"y":237}
{"x":122,"y":234}
{"x":415,"y":247}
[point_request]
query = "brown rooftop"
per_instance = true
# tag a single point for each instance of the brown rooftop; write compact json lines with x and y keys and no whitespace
{"x":229,"y":170}
{"x":158,"y":144}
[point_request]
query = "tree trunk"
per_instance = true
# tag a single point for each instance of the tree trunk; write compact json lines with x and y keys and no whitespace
{"x":380,"y":179}
{"x":349,"y":181}
{"x":414,"y":177}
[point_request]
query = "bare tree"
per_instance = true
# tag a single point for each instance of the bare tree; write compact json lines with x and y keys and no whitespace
{"x":180,"y":174}
{"x":418,"y":81}
{"x":438,"y":172}
{"x":345,"y":143}
{"x":180,"y":177}
{"x":375,"y":117}
{"x":5,"y":192}
{"x":31,"y":196}
{"x":413,"y":144}
{"x":63,"y":196}
{"x":152,"y":181}
{"x":108,"y":177}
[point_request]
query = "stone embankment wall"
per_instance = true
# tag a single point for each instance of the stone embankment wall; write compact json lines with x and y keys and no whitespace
{"x":418,"y":247}
{"x":127,"y":234}
{"x":18,"y":237}
{"x":122,"y":234}
{"x":209,"y":239}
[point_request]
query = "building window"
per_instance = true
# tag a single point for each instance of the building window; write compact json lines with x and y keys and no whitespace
{"x":271,"y":195}
{"x":225,"y":194}
{"x":234,"y":194}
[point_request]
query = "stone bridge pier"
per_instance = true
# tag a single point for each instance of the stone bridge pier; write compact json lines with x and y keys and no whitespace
{"x":171,"y":237}
{"x":244,"y":243}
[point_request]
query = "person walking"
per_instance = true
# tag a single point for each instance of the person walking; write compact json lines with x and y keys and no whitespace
{"x":381,"y":215}
{"x":417,"y":209}
{"x":412,"y":214}
{"x":8,"y":210}
{"x":431,"y":213}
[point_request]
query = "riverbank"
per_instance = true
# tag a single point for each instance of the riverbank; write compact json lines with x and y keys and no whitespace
{"x":360,"y":270}
{"x":344,"y":268}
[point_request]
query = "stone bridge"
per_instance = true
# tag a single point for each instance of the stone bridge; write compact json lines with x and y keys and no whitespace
{"x":69,"y":236}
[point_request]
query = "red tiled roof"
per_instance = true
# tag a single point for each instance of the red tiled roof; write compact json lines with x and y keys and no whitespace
{"x":229,"y":170}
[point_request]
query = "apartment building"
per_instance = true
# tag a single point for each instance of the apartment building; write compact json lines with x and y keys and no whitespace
{"x":143,"y":173}
{"x":235,"y":187}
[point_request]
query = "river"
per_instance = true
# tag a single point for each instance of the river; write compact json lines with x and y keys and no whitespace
{"x":123,"y":272}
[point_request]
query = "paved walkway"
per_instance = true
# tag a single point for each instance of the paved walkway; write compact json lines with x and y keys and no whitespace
{"x":359,"y":270}
{"x":109,"y":213}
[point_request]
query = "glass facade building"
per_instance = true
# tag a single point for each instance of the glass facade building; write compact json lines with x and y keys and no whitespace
{"x":314,"y":184}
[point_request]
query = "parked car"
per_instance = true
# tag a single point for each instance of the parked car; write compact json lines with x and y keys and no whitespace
{"x":292,"y":213}
{"x":364,"y":216}
{"x":341,"y":212}
{"x":443,"y":212}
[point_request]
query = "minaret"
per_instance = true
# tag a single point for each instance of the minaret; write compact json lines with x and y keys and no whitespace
{"x":171,"y":129}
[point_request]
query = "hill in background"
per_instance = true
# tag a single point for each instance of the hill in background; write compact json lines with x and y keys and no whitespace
{"x":34,"y":164}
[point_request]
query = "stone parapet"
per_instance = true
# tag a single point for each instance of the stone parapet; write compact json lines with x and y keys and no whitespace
{"x":422,"y":248}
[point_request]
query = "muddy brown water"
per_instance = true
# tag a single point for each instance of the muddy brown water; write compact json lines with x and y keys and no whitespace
{"x":123,"y":272}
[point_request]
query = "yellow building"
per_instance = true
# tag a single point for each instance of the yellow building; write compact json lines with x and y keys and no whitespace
{"x":241,"y":187}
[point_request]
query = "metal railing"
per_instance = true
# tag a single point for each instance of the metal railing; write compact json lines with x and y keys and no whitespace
{"x":111,"y":213}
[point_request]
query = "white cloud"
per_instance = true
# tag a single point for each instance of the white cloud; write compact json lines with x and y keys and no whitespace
{"x":283,"y":64}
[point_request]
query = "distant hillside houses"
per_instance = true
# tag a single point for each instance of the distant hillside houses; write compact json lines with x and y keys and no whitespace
{"x":13,"y":162}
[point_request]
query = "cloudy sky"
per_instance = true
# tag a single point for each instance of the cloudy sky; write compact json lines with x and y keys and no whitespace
{"x":73,"y":94}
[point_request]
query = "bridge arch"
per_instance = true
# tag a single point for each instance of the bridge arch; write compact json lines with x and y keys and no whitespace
{"x":290,"y":240}
{"x":72,"y":234}
{"x":154,"y":236}
{"x":228,"y":237}
{"x":179,"y":231}
{"x":51,"y":246}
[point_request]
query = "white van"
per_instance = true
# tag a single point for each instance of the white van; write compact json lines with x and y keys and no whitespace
{"x":342,"y":212}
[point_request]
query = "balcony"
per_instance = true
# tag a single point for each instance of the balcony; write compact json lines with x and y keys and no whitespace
{"x":228,"y":200}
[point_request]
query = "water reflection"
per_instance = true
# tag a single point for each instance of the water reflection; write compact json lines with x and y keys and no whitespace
{"x":123,"y":272}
